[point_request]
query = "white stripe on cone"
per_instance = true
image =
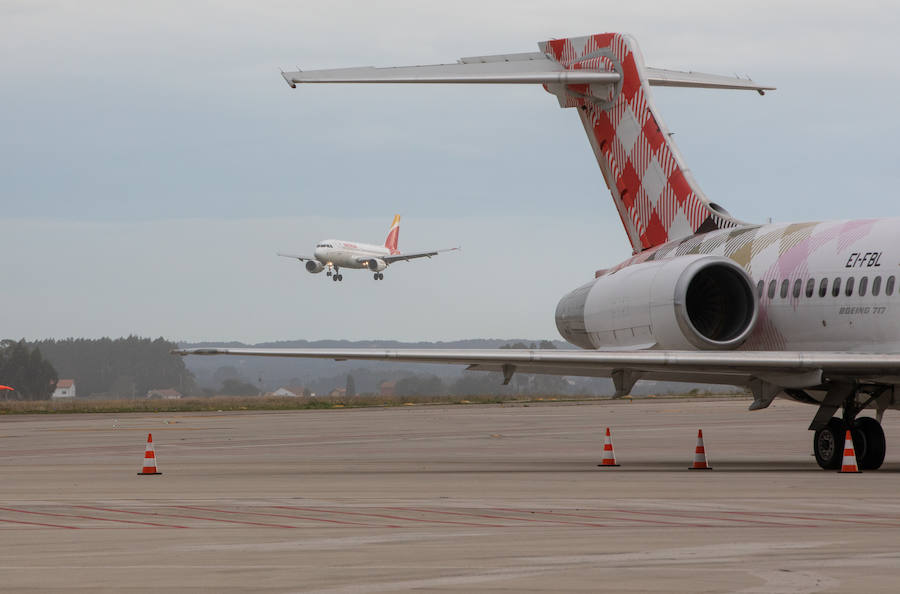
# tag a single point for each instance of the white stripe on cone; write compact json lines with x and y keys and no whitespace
{"x":149,"y":464}
{"x":700,"y":460}
{"x":609,"y":456}
{"x":848,"y":464}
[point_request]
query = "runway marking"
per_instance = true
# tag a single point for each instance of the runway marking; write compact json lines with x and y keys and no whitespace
{"x":162,"y":515}
{"x":225,"y":511}
{"x":349,"y":513}
{"x":40,"y":524}
{"x":25,"y":511}
{"x":473,"y":515}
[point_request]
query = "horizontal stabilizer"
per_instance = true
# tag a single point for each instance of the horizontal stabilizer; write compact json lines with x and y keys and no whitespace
{"x":657,"y":77}
{"x":537,"y":70}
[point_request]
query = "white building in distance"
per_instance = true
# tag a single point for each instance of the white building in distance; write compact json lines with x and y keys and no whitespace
{"x":65,"y":388}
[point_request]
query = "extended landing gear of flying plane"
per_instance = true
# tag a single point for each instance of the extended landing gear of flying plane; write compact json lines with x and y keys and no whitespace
{"x":337,"y":277}
{"x":869,"y":442}
{"x":378,"y":276}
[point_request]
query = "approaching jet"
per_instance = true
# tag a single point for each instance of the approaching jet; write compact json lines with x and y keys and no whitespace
{"x":335,"y":254}
{"x":807,"y":311}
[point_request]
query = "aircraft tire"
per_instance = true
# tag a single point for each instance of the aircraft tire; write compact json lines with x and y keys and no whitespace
{"x":828,"y":444}
{"x":870,"y":436}
{"x":334,"y":278}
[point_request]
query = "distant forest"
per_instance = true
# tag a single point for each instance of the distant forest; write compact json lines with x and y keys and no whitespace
{"x":118,"y":368}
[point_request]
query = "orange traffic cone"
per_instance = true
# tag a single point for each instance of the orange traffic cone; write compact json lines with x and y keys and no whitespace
{"x":149,"y":459}
{"x":609,"y":457}
{"x":849,"y":462}
{"x":700,"y":462}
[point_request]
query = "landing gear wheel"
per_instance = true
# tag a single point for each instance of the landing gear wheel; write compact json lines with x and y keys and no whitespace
{"x":380,"y":276}
{"x":328,"y":273}
{"x":375,"y":276}
{"x":340,"y":277}
{"x":828,"y":444}
{"x":869,"y":443}
{"x":335,"y":278}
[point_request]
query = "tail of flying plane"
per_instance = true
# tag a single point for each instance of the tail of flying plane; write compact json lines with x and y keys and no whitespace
{"x":604,"y":77}
{"x":393,"y":236}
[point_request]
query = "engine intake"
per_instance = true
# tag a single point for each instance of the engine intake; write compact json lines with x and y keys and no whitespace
{"x":688,"y":302}
{"x":314,"y":266}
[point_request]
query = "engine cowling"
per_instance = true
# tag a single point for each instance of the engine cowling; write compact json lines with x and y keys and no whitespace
{"x":689,"y":302}
{"x":376,"y":264}
{"x":314,"y":266}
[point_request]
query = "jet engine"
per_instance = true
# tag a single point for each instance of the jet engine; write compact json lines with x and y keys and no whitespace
{"x":688,"y":302}
{"x":376,"y":264}
{"x":314,"y":266}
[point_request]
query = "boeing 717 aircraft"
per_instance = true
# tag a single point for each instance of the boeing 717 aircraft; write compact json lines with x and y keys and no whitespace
{"x":334,"y":254}
{"x":808,"y":311}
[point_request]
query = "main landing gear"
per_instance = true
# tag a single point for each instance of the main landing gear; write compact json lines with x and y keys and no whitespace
{"x":830,"y":432}
{"x":337,"y":276}
{"x":379,"y":276}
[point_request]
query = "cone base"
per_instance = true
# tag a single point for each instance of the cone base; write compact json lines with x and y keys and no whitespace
{"x":148,"y":473}
{"x":855,"y":471}
{"x":607,"y":465}
{"x":700,"y":468}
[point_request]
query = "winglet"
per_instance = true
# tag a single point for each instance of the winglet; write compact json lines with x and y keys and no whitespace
{"x":288,"y":80}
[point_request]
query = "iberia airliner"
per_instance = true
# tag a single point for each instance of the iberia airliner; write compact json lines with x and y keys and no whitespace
{"x":334,"y":254}
{"x":807,"y":311}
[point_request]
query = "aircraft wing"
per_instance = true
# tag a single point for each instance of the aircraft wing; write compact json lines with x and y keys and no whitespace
{"x":296,"y":257}
{"x":413,"y":255}
{"x":780,"y":369}
{"x":520,"y":68}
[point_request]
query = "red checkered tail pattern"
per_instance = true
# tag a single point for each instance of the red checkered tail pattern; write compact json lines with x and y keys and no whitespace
{"x":654,"y":192}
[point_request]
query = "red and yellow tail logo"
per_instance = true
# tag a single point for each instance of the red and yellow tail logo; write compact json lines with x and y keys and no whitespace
{"x":393,"y":236}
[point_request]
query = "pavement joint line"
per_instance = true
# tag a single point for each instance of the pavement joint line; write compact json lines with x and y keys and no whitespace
{"x":162,"y":515}
{"x":495,"y":517}
{"x":39,"y":524}
{"x":24,"y":511}
{"x":225,"y":511}
{"x":389,"y":517}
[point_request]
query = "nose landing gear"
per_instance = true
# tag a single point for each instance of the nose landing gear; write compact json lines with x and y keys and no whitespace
{"x":378,"y":276}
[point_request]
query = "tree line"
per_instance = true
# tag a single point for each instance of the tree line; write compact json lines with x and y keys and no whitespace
{"x":25,"y":369}
{"x":118,"y":368}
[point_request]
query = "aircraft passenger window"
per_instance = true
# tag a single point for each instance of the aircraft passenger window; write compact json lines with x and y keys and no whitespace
{"x":836,"y":287}
{"x":889,"y":287}
{"x":798,"y":284}
{"x":771,"y":289}
{"x":810,"y":287}
{"x":823,"y":287}
{"x":876,"y":286}
{"x":785,"y":285}
{"x":863,"y":286}
{"x":848,"y":290}
{"x":759,"y":288}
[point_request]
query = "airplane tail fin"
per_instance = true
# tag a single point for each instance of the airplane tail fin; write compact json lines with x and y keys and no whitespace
{"x":605,"y":78}
{"x":654,"y":192}
{"x":393,"y":236}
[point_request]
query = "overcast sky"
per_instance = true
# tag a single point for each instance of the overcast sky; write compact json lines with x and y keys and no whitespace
{"x":152,"y":160}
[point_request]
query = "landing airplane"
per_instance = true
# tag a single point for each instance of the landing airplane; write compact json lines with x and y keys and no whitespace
{"x":807,"y":311}
{"x":334,"y":254}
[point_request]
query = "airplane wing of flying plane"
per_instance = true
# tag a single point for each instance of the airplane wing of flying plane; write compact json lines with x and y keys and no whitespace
{"x":807,"y":311}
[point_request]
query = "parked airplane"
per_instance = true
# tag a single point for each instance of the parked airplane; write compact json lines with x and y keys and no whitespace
{"x":334,"y":254}
{"x":807,"y":311}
